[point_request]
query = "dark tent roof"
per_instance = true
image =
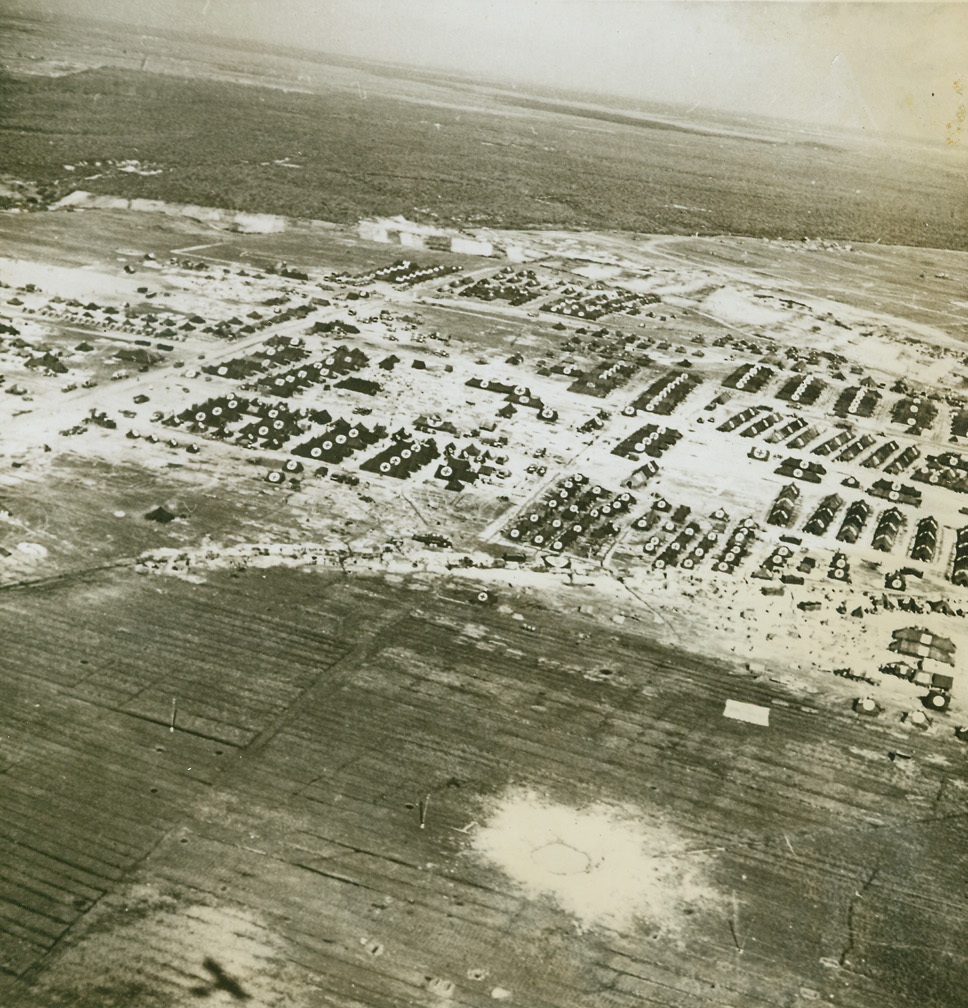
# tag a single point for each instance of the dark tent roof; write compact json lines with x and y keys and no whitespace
{"x":160,"y":514}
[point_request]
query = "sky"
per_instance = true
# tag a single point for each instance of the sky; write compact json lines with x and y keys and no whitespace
{"x":885,"y":68}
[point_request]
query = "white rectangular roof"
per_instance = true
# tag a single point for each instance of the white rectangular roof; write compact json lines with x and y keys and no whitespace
{"x":753,"y":713}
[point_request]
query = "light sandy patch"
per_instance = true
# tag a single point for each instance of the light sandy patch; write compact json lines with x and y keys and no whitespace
{"x":734,"y":306}
{"x":597,"y":271}
{"x":67,"y":282}
{"x":751,"y":713}
{"x":605,"y":865}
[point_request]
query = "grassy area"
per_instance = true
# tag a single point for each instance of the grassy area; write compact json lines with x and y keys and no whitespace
{"x":217,"y":143}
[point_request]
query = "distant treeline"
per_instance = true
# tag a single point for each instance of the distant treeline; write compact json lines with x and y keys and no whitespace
{"x":358,"y":156}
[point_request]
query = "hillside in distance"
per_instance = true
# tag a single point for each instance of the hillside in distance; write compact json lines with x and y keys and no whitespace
{"x":303,"y":137}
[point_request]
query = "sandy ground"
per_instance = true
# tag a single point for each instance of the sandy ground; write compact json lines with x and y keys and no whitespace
{"x":617,"y":867}
{"x":730,"y":615}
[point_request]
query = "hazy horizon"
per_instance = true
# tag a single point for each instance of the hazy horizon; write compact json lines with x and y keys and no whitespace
{"x":879,"y":68}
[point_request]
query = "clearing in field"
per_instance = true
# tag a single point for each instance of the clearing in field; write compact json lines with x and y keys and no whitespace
{"x":602,"y":864}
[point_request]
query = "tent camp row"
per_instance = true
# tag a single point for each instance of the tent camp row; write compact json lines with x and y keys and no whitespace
{"x":667,"y":392}
{"x":651,"y":439}
{"x":947,"y":470}
{"x":733,"y":422}
{"x":898,"y":464}
{"x":810,"y":472}
{"x":925,"y":544}
{"x":340,"y":440}
{"x":823,"y":516}
{"x":854,"y":521}
{"x":758,"y":427}
{"x":896,"y":493}
{"x":737,"y":547}
{"x":916,"y":414}
{"x":858,"y":447}
{"x":573,"y":511}
{"x":789,"y":429}
{"x":403,"y":457}
{"x":857,"y":401}
{"x":888,"y":528}
{"x":959,"y":570}
{"x":804,"y":437}
{"x":880,"y":455}
{"x":675,"y":552}
{"x":839,"y":568}
{"x":749,"y":377}
{"x":833,"y":444}
{"x":607,"y":376}
{"x":782,"y":509}
{"x":805,"y":390}
{"x":595,"y":303}
{"x":919,"y":642}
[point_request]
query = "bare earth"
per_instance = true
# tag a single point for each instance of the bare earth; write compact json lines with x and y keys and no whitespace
{"x":317,"y":741}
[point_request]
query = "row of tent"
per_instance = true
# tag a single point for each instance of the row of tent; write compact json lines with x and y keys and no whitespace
{"x":918,"y":642}
{"x":402,"y":272}
{"x":854,"y":521}
{"x":888,"y":528}
{"x":403,"y":457}
{"x":667,"y":392}
{"x":915,"y":414}
{"x":793,"y":426}
{"x":675,"y":553}
{"x":744,"y":416}
{"x":784,"y":505}
{"x":605,"y":302}
{"x":280,"y":349}
{"x":736,"y":548}
{"x":921,"y":677}
{"x":805,"y":390}
{"x":839,"y":568}
{"x":639,"y":477}
{"x":948,"y":470}
{"x":803,"y":438}
{"x":517,"y":395}
{"x":606,"y":376}
{"x":959,"y":570}
{"x":857,"y":401}
{"x":340,"y":440}
{"x":880,"y":455}
{"x":823,"y":515}
{"x":809,"y":472}
{"x":571,"y":511}
{"x":925,"y":544}
{"x":651,"y":439}
{"x":515,"y":287}
{"x":833,"y":444}
{"x":908,"y":456}
{"x":896,"y":493}
{"x":959,"y":422}
{"x":749,"y":377}
{"x":856,"y":448}
{"x":764,"y":423}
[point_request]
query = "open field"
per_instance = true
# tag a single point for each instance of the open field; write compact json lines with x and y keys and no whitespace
{"x":306,"y":140}
{"x":276,"y":831}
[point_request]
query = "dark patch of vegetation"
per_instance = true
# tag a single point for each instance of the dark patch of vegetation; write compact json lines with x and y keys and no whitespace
{"x":217,"y":143}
